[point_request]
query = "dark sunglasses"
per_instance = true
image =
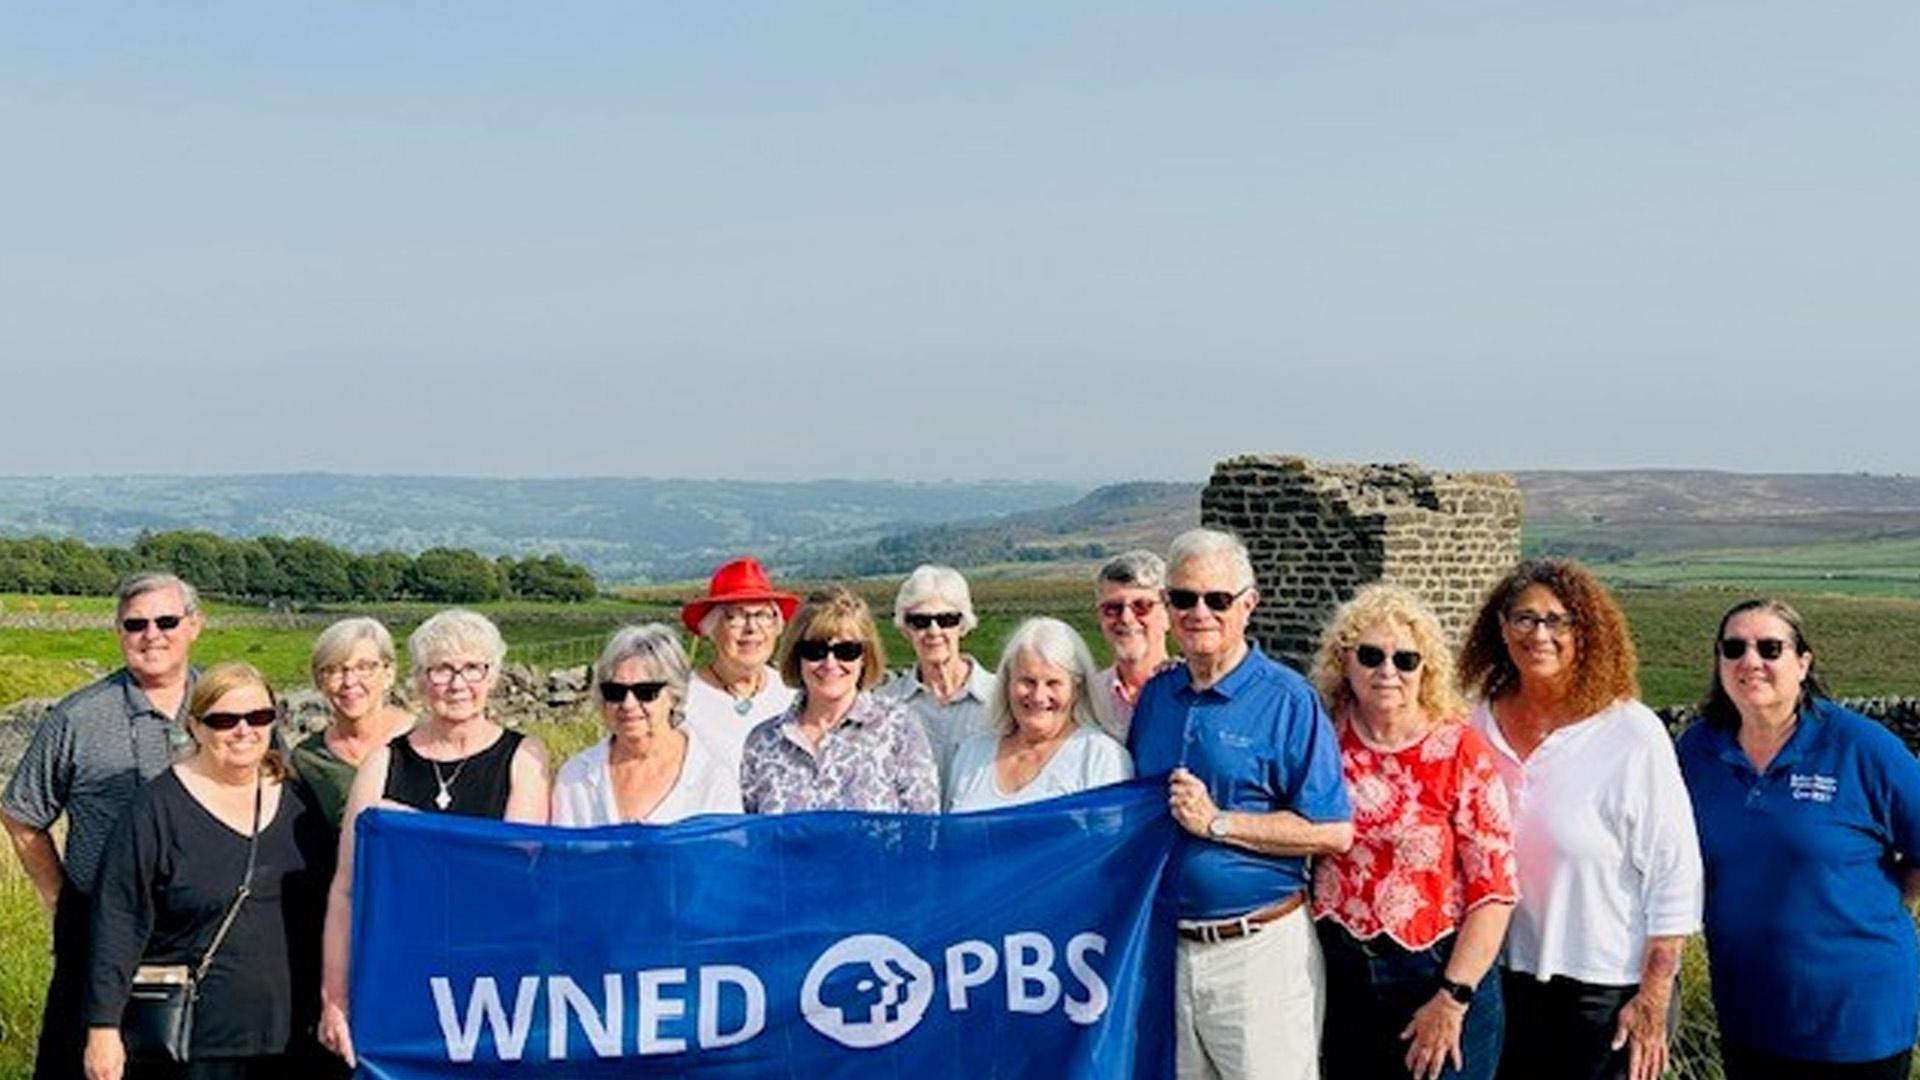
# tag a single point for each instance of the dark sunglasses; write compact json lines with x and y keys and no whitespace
{"x":166,"y":623}
{"x":1140,"y":606}
{"x":945,"y":620}
{"x":227,"y":721}
{"x":813,"y":651}
{"x":1769,"y":648}
{"x":613,"y":693}
{"x":1405,"y":661}
{"x":1185,"y":599}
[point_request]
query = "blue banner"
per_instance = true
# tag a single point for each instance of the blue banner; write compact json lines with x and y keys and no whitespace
{"x":1019,"y":943}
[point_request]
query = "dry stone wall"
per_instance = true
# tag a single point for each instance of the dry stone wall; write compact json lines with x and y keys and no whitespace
{"x":1317,"y":532}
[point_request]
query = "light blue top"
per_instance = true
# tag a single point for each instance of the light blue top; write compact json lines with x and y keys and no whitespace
{"x":1089,"y":758}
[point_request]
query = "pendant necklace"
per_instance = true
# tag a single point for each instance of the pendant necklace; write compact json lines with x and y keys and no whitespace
{"x":741,"y":705}
{"x":445,"y":798}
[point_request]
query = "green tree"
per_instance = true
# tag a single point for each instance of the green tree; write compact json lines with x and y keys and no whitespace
{"x":379,"y":576}
{"x":453,"y":576}
{"x":552,"y":578}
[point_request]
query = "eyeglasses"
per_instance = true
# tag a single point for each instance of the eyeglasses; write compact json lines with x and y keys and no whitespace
{"x":1140,"y":606}
{"x":1185,"y":599}
{"x":613,"y":693}
{"x":1405,"y":661}
{"x":734,"y":618}
{"x":362,"y":671}
{"x":165,"y":623}
{"x":227,"y":721}
{"x":1769,"y":648}
{"x":1526,"y":622}
{"x":443,"y":674}
{"x":921,"y":620}
{"x":813,"y":651}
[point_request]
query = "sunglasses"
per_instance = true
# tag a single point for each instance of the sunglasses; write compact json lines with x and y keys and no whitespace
{"x":813,"y":651}
{"x":138,"y":625}
{"x":945,"y":620}
{"x":1769,"y":648}
{"x":227,"y":721}
{"x":1140,"y":606}
{"x":1185,"y":599}
{"x":1405,"y":661}
{"x":613,"y":693}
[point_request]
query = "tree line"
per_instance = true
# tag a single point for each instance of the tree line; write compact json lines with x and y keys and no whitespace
{"x":296,"y":569}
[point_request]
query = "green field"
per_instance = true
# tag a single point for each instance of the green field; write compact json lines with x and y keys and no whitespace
{"x":1867,"y":644}
{"x":1877,"y":567}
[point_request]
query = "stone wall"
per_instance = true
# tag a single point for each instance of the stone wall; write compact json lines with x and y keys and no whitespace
{"x":1317,"y":532}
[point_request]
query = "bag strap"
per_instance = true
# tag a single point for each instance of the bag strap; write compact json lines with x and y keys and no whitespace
{"x":246,"y":886}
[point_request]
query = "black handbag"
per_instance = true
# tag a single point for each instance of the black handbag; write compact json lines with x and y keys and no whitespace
{"x":157,"y":1024}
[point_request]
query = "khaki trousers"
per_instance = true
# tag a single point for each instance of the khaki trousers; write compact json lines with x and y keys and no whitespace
{"x":1250,"y":1008}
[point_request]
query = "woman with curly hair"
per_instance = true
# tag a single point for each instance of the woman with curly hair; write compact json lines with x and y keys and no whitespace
{"x":1411,"y":917}
{"x":1610,"y":878}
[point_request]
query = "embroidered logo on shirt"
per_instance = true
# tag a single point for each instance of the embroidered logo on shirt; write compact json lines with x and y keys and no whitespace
{"x":1812,"y":786}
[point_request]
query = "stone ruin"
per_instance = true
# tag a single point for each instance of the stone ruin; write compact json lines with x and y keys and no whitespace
{"x":1317,"y":532}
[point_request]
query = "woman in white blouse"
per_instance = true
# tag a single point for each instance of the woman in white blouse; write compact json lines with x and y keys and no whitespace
{"x":1043,"y":740}
{"x":650,"y":767}
{"x":1610,"y":878}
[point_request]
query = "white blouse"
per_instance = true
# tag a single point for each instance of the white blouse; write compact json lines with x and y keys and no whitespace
{"x":707,"y":784}
{"x":1603,"y":832}
{"x":721,"y":720}
{"x":1090,"y":758}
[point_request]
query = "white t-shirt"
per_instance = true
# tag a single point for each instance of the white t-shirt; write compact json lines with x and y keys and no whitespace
{"x":1603,"y":832}
{"x":718,"y":718}
{"x":583,"y":791}
{"x":1090,"y":758}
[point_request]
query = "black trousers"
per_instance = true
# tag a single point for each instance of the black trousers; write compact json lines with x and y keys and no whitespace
{"x":1561,"y":1029}
{"x":63,"y":1027}
{"x":265,"y":1067}
{"x":1746,"y":1063}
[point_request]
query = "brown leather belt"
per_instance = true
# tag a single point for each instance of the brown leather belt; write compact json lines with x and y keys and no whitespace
{"x":1250,"y":923}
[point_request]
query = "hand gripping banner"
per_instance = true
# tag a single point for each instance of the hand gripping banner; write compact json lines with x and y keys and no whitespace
{"x":1017,"y":943}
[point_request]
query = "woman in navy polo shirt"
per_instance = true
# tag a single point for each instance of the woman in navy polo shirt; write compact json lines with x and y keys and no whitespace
{"x":1809,"y":821}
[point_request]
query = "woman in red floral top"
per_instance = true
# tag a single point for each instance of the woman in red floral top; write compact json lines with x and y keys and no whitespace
{"x":1411,"y":918}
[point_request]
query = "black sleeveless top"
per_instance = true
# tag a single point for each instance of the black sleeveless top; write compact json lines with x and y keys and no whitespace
{"x":476,"y":784}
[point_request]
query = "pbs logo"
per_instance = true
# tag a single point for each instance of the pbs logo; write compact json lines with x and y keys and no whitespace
{"x":867,"y":990}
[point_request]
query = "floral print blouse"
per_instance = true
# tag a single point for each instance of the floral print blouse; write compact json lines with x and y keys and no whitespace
{"x":876,"y":758}
{"x":1433,"y":838}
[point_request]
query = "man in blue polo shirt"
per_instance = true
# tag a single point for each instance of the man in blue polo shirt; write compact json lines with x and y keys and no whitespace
{"x":1254,"y":777}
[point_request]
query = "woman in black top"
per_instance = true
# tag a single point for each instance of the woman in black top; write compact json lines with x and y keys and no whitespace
{"x":174,"y":867}
{"x":457,"y":761}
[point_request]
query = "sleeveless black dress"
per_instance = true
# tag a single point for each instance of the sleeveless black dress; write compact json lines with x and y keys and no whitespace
{"x":476,"y":785}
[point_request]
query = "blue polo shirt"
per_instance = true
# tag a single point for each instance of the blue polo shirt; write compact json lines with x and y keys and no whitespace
{"x":1260,"y":740}
{"x":1812,"y":952}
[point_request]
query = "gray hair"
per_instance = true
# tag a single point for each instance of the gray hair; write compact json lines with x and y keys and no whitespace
{"x":337,"y":641}
{"x":656,"y":645}
{"x":1208,"y":544}
{"x":1138,"y":568}
{"x":451,"y":631}
{"x":146,"y":581}
{"x":931,"y":582}
{"x":1055,"y":643}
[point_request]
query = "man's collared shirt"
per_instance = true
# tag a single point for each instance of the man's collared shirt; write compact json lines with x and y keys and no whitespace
{"x":947,"y":723}
{"x":1260,"y":741}
{"x":876,"y":758}
{"x":91,"y":753}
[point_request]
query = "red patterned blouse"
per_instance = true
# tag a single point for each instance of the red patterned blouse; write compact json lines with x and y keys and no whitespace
{"x":1432,"y":838}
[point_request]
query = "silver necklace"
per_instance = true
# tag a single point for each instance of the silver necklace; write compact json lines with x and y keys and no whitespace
{"x":445,"y":798}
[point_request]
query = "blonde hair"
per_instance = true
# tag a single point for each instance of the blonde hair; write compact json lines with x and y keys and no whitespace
{"x":828,"y":613}
{"x":222,"y":679}
{"x":1370,"y":607}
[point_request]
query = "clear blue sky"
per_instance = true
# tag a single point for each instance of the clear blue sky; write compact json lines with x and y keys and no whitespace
{"x":1076,"y":240}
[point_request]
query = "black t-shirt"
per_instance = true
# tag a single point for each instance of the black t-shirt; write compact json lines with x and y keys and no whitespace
{"x":170,"y":872}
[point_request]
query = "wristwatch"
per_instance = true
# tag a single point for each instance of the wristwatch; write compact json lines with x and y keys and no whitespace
{"x":1217,"y":828}
{"x":1459,"y":992}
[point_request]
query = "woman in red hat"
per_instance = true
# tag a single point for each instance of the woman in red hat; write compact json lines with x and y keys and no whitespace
{"x":742,"y":615}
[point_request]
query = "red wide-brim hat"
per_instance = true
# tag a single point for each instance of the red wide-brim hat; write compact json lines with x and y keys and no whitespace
{"x":741,"y":581}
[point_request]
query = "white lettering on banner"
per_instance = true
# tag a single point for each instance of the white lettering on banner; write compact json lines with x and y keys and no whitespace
{"x":865,"y":991}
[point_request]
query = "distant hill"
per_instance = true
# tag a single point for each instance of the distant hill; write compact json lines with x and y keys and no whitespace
{"x":625,"y":529}
{"x":1605,"y":516}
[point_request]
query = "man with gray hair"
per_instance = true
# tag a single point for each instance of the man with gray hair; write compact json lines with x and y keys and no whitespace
{"x":91,"y":753}
{"x":1133,"y":619}
{"x":1254,"y":776}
